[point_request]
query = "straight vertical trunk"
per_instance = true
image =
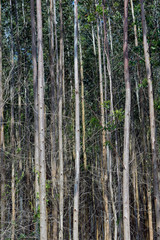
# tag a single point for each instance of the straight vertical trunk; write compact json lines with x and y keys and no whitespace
{"x":12,"y":133}
{"x":77,"y":127}
{"x":104,"y":176}
{"x":53,"y":132}
{"x":19,"y":118}
{"x":42,"y":169}
{"x":35,"y":87}
{"x":106,"y":50}
{"x":56,"y":43}
{"x":60,"y":128}
{"x":152,"y":122}
{"x":2,"y":139}
{"x":83,"y":108}
{"x":126,"y":212}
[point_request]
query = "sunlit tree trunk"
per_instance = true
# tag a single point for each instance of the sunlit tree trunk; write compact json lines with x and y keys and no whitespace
{"x":41,"y":130}
{"x":77,"y":127}
{"x":126,"y":211}
{"x":60,"y":128}
{"x":152,"y":121}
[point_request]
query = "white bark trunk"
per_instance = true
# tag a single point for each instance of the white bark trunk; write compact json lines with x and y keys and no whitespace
{"x":126,"y":212}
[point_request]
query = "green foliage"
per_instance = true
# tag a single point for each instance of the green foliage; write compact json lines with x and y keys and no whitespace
{"x":106,"y":104}
{"x":111,"y":126}
{"x":48,"y":184}
{"x":99,"y":9}
{"x":36,"y":216}
{"x":144,"y":83}
{"x":108,"y":143}
{"x":157,"y":103}
{"x":91,"y":17}
{"x":119,"y":114}
{"x":94,"y":122}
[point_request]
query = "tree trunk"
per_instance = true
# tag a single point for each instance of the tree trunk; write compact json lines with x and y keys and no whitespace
{"x":152,"y":122}
{"x":35,"y":86}
{"x":104,"y":176}
{"x":126,"y":212}
{"x":60,"y":128}
{"x":53,"y":132}
{"x":12,"y":132}
{"x":83,"y":107}
{"x":77,"y":127}
{"x":41,"y":130}
{"x":2,"y":139}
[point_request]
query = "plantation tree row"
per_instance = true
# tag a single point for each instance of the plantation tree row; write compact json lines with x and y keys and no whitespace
{"x":79,"y":119}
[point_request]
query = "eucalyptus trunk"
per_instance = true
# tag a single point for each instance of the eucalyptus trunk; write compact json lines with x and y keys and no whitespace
{"x":104,"y":177}
{"x":2,"y":202}
{"x":77,"y":127}
{"x":126,"y":207}
{"x":53,"y":127}
{"x":152,"y":121}
{"x":35,"y":87}
{"x":41,"y":129}
{"x":61,"y":182}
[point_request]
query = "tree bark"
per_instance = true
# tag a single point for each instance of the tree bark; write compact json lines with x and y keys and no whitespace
{"x":53,"y":131}
{"x":2,"y":138}
{"x":152,"y":121}
{"x":12,"y":132}
{"x":77,"y":127}
{"x":126,"y":211}
{"x":35,"y":87}
{"x":60,"y":128}
{"x":41,"y":130}
{"x":104,"y":177}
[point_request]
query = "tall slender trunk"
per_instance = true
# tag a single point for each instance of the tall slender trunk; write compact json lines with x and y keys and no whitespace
{"x":106,"y":50}
{"x":126,"y":212}
{"x":93,"y":40}
{"x":12,"y":132}
{"x":19,"y":118}
{"x":41,"y":130}
{"x":2,"y":203}
{"x":77,"y":127}
{"x":60,"y":127}
{"x":104,"y":177}
{"x":83,"y":107}
{"x":56,"y":42}
{"x":136,"y":45}
{"x":35,"y":86}
{"x":152,"y":121}
{"x":53,"y":132}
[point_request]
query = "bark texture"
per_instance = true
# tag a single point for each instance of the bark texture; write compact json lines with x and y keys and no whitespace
{"x":126,"y":210}
{"x":42,"y":168}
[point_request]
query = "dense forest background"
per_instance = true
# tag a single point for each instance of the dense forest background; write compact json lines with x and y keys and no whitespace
{"x":79,"y":119}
